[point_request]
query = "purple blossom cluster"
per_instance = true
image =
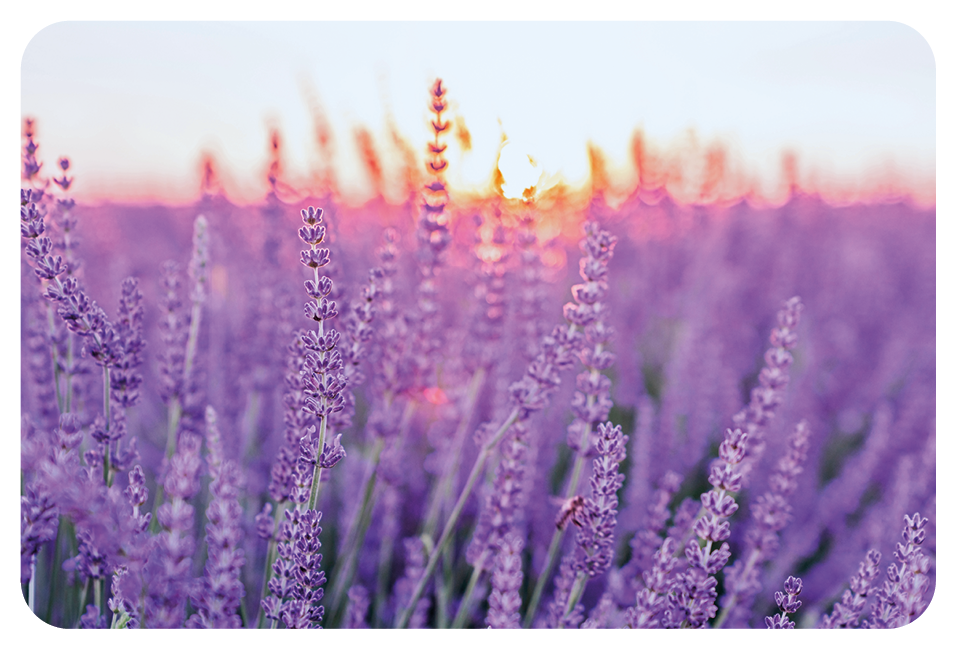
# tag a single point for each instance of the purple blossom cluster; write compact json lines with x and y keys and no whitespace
{"x":558,"y":413}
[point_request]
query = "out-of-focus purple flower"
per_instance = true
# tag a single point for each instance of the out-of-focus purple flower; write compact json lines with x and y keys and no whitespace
{"x":218,"y":600}
{"x":771,"y":512}
{"x":173,"y":327}
{"x":901,"y":598}
{"x":171,"y":579}
{"x":646,"y":542}
{"x":653,"y":598}
{"x":504,"y":501}
{"x":357,"y":609}
{"x":754,"y":418}
{"x":92,"y":620}
{"x":414,"y":568}
{"x":788,"y":603}
{"x":691,"y":604}
{"x":38,"y":523}
{"x":556,"y":618}
{"x":848,"y":611}
{"x":125,"y":378}
{"x":505,"y":600}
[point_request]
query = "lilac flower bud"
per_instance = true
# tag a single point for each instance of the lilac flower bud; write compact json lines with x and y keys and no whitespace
{"x":788,"y":603}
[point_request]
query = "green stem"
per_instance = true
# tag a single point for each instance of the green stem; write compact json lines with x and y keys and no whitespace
{"x":386,"y":547}
{"x":54,"y":356}
{"x":32,"y":586}
{"x":574,"y":595}
{"x":466,"y":605}
{"x":55,"y":567}
{"x":733,"y":600}
{"x":443,"y":588}
{"x":441,"y":491}
{"x":557,"y":537}
{"x":98,"y":588}
{"x":81,"y":606}
{"x":317,"y":476}
{"x":454,"y":516}
{"x":355,"y":535}
{"x":68,"y":376}
{"x":107,"y":475}
{"x":270,"y":558}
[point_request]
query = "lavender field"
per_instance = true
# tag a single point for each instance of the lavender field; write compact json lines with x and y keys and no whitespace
{"x":468,"y":411}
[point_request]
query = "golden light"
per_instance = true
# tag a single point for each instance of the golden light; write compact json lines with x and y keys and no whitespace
{"x":519,"y":171}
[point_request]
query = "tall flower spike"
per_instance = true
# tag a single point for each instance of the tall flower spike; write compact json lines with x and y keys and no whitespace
{"x":433,"y":238}
{"x":323,"y":381}
{"x":218,"y":602}
{"x":505,"y":600}
{"x":847,"y":612}
{"x":771,"y":512}
{"x":594,"y":544}
{"x":691,"y":604}
{"x":125,"y":378}
{"x":754,"y":418}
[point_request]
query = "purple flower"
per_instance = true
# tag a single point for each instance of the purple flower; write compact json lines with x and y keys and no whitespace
{"x":847,"y":612}
{"x":594,"y":544}
{"x":504,"y":601}
{"x":219,"y":599}
{"x":770,"y":512}
{"x":358,"y":608}
{"x":901,"y":598}
{"x":788,"y":603}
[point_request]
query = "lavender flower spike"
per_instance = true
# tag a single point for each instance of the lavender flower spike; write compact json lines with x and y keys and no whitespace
{"x":594,"y":548}
{"x":504,"y":601}
{"x":901,"y":598}
{"x":323,"y":380}
{"x":218,"y":603}
{"x":771,"y":513}
{"x":847,"y":612}
{"x":692,"y":602}
{"x":789,"y":604}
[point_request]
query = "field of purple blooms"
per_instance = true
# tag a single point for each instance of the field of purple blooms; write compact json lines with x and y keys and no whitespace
{"x":475,"y":414}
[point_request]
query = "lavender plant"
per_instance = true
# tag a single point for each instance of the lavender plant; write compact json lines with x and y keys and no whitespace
{"x":174,"y":453}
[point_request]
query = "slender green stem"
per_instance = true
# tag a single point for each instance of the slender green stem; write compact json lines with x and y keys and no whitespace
{"x":98,"y":595}
{"x":317,"y":476}
{"x":81,"y":605}
{"x":465,"y":608}
{"x":555,"y":544}
{"x":454,"y":516}
{"x":441,"y":491}
{"x":54,"y":357}
{"x":107,"y":474}
{"x":386,"y":548}
{"x":443,"y":588}
{"x":32,"y":586}
{"x":270,"y":558}
{"x":355,"y":535}
{"x":68,"y":376}
{"x":733,"y":600}
{"x":575,"y":594}
{"x":55,"y":567}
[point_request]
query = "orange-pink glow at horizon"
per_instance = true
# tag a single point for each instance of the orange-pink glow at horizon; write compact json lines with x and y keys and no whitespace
{"x":709,"y":111}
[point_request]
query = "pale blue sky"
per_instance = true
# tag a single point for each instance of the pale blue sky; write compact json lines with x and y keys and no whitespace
{"x":131,"y":101}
